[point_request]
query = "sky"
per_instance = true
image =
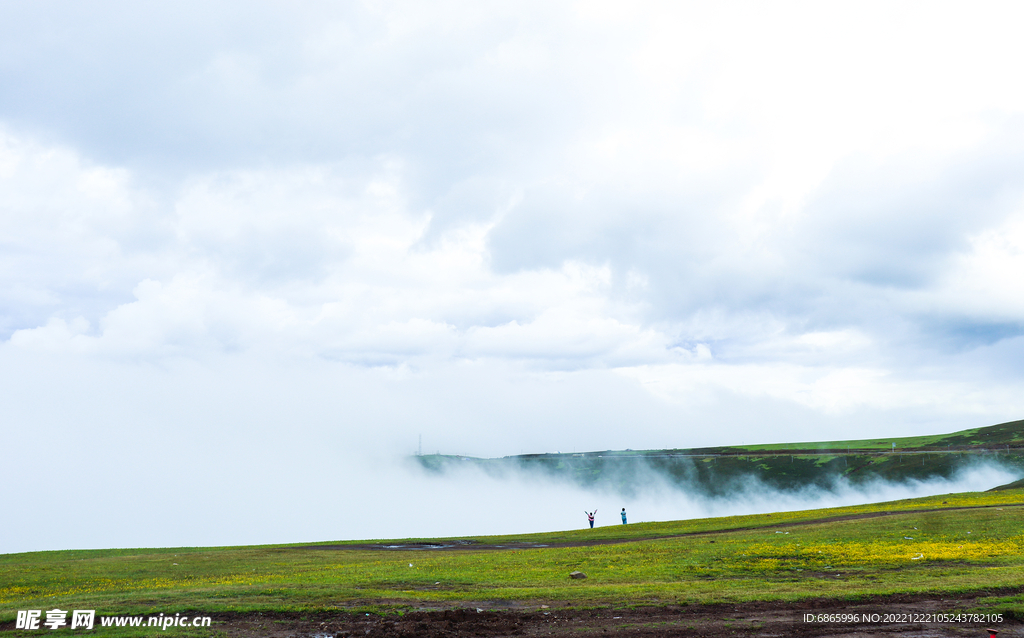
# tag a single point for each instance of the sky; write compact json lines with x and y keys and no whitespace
{"x":251,"y":255}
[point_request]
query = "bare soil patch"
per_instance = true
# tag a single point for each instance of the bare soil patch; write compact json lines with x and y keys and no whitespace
{"x":561,"y":619}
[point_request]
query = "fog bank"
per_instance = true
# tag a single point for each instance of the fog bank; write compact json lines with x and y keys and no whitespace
{"x":525,"y":502}
{"x":259,"y":496}
{"x":243,"y":449}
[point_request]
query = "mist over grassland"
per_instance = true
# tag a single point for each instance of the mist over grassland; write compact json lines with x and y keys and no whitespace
{"x":194,"y":453}
{"x":674,"y":484}
{"x":523,"y":501}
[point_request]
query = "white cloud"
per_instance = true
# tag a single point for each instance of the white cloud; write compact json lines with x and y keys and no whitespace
{"x":526,"y":225}
{"x":824,"y":389}
{"x":984,"y":282}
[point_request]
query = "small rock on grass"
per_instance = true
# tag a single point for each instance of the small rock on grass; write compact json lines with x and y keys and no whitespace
{"x":577,"y":575}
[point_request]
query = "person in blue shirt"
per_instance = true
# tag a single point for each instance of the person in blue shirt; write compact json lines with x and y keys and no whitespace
{"x":623,"y":515}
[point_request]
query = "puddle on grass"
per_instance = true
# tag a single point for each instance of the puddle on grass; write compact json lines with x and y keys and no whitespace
{"x":428,"y":545}
{"x":416,"y":546}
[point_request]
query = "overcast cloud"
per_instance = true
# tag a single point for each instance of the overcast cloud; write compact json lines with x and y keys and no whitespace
{"x":254,"y":251}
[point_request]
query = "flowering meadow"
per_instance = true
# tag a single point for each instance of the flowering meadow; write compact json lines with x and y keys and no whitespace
{"x":954,"y":543}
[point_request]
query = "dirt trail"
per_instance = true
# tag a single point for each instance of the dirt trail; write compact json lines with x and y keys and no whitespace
{"x":442,"y":545}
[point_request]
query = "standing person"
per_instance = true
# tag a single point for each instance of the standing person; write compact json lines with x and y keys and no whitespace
{"x":623,"y":515}
{"x":590,"y":517}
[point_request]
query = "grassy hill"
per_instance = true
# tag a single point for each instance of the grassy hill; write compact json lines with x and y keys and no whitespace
{"x":718,"y":471}
{"x":953,"y":543}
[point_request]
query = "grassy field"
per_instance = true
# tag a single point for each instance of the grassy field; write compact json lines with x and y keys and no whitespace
{"x":1010,"y":433}
{"x":920,"y":546}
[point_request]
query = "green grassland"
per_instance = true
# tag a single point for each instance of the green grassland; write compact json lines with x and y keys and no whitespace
{"x":1011,"y":434}
{"x":920,"y":545}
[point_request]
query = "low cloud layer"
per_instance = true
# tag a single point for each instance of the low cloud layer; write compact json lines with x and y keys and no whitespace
{"x":506,"y":229}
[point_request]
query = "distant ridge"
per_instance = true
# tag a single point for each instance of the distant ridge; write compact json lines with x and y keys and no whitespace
{"x":718,"y":471}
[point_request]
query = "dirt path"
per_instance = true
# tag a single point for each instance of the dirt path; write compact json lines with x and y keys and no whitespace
{"x":908,"y":616}
{"x":473,"y":545}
